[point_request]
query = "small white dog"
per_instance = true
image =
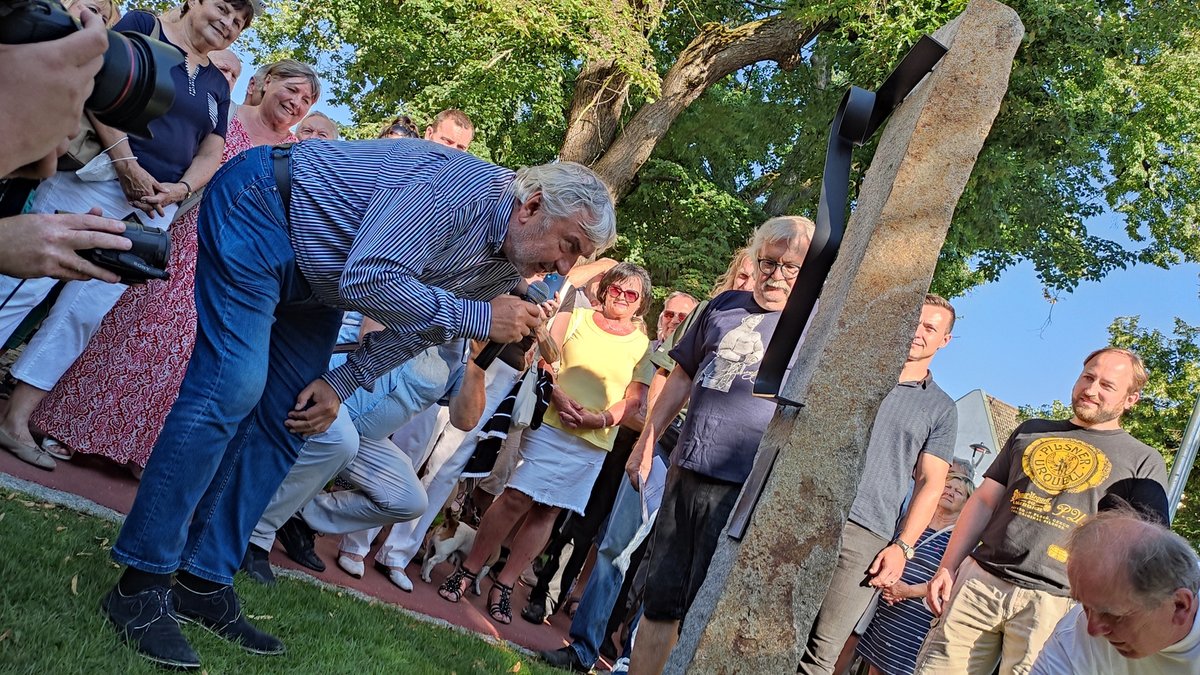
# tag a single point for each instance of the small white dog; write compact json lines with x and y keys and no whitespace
{"x":452,"y":539}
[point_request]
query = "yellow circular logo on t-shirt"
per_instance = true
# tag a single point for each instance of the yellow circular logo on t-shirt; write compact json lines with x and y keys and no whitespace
{"x":1057,"y":464}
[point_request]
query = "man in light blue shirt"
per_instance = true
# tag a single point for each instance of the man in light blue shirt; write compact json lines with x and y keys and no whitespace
{"x":357,"y":447}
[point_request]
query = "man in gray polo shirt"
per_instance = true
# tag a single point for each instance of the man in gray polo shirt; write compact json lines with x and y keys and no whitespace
{"x":913,"y":436}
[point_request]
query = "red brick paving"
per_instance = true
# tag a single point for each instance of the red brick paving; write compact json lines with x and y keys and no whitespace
{"x":108,"y":484}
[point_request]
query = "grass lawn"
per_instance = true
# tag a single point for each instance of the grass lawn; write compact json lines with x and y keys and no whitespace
{"x":54,"y":567}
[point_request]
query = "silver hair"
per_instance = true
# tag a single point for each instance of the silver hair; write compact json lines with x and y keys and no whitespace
{"x":782,"y":228}
{"x":1156,"y":562}
{"x":568,"y":188}
{"x":337,"y":133}
{"x":260,"y":77}
{"x":679,"y":294}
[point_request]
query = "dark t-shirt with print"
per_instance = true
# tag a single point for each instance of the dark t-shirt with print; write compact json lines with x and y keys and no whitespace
{"x":1055,"y":474}
{"x":721,"y":354}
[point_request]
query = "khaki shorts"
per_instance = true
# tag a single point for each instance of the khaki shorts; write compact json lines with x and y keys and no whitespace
{"x":989,"y":621}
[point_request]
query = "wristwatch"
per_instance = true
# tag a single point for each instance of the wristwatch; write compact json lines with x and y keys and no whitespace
{"x":909,"y":551}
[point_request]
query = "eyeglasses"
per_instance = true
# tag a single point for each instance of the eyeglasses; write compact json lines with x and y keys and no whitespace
{"x":631,"y":297}
{"x":768,"y":267}
{"x":672,"y":315}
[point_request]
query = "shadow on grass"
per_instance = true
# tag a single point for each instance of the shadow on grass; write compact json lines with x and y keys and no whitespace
{"x":55,"y":567}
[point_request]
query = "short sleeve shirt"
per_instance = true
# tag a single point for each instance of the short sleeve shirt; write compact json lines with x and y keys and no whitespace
{"x":597,"y":368}
{"x":201,"y":108}
{"x":721,"y":352}
{"x":1054,"y":474}
{"x":915,"y":418}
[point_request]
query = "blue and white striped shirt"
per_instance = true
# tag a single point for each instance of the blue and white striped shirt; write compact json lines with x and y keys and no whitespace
{"x":407,"y":232}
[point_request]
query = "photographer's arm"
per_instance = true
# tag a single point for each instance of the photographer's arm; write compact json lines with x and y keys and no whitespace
{"x":466,"y":406}
{"x":45,"y":85}
{"x":44,"y":245}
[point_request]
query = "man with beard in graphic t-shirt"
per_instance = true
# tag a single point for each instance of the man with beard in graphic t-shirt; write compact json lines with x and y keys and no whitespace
{"x":716,"y":361}
{"x":999,"y":602}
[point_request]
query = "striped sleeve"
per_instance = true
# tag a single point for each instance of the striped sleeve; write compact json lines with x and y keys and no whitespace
{"x":401,"y":231}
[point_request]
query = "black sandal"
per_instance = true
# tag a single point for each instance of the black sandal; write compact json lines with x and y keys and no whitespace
{"x":453,"y":588}
{"x":500,"y":610}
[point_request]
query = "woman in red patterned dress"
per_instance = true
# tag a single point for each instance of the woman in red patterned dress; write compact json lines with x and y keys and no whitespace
{"x":113,"y":400}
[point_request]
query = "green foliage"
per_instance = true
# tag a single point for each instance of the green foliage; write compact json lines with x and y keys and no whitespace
{"x":1101,"y":114}
{"x":682,"y":228}
{"x":1162,"y":414}
{"x":1098,"y":116}
{"x":508,"y":64}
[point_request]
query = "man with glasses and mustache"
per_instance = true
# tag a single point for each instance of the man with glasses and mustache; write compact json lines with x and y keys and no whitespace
{"x":716,"y":364}
{"x":913,"y":435}
{"x":999,"y":602}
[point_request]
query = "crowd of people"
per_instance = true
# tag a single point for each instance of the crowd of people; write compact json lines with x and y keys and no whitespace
{"x":356,"y":336}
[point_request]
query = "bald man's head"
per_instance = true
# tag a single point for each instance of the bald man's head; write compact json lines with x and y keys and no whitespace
{"x":1137,"y":581}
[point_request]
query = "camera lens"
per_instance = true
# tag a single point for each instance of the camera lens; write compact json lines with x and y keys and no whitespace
{"x":134,"y":86}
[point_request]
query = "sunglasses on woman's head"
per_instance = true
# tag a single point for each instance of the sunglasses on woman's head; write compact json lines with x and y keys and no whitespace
{"x":400,"y":131}
{"x":630,"y":296}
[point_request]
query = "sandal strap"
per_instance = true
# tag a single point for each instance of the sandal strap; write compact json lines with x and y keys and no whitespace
{"x":453,"y":583}
{"x":502,"y":605}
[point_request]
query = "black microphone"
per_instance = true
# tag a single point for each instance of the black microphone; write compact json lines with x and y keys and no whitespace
{"x":537,"y":293}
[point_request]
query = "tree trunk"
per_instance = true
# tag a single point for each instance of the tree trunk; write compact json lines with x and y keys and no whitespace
{"x":600,"y":93}
{"x":715,"y":53}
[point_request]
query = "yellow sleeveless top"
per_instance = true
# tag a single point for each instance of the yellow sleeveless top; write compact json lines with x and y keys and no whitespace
{"x":597,"y":367}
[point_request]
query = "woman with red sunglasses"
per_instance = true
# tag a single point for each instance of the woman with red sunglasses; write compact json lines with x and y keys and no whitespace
{"x":594,"y":390}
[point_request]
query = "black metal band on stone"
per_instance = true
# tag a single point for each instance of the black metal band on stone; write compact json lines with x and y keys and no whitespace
{"x":857,"y":119}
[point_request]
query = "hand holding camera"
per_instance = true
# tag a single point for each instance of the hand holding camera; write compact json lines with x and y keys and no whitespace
{"x":45,"y":85}
{"x":52,"y":67}
{"x":45,"y":245}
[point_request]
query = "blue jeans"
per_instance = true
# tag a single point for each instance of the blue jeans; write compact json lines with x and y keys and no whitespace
{"x":603,"y":586}
{"x":261,"y":337}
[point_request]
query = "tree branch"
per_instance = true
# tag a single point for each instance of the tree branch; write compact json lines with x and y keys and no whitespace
{"x":714,"y":54}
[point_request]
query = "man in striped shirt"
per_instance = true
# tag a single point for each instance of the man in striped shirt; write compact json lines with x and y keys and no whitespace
{"x":425,"y":239}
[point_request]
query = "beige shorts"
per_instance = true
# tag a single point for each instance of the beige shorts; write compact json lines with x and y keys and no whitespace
{"x":989,"y":621}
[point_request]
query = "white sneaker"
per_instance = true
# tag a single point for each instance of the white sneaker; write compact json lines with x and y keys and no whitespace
{"x":398,"y":577}
{"x":621,"y":666}
{"x":354,"y":568}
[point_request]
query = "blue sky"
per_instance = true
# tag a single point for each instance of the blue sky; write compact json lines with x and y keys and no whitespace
{"x":1009,"y":340}
{"x":1012,"y":343}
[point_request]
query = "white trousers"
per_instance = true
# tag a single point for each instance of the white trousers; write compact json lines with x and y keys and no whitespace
{"x":81,"y":306}
{"x":446,"y":463}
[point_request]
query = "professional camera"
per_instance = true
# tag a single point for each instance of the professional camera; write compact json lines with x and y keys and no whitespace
{"x":133,"y":86}
{"x":145,"y":261}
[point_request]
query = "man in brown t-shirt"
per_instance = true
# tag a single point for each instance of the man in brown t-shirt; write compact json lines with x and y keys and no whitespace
{"x":999,"y":603}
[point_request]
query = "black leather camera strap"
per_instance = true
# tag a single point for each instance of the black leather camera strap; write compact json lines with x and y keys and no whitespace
{"x":281,"y":159}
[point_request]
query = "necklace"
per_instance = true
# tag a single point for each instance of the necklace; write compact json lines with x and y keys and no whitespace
{"x":191,"y":76}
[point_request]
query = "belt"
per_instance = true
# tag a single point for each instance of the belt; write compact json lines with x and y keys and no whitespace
{"x":281,"y":159}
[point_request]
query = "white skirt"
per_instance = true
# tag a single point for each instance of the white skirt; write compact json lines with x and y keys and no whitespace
{"x":557,"y":468}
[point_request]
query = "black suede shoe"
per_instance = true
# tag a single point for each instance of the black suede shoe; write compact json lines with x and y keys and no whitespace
{"x":146,"y":621}
{"x":220,"y":612}
{"x":534,"y":612}
{"x":257,"y":566}
{"x":565,"y":658}
{"x":297,"y":539}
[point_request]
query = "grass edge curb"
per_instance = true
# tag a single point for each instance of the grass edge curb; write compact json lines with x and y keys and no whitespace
{"x":88,"y":507}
